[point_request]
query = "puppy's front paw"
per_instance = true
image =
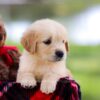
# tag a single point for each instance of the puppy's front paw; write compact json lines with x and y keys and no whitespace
{"x":48,"y":86}
{"x":29,"y":82}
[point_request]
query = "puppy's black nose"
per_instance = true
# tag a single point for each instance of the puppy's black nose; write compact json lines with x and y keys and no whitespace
{"x":59,"y":54}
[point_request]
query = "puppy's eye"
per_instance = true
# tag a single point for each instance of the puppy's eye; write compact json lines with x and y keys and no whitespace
{"x":47,"y":42}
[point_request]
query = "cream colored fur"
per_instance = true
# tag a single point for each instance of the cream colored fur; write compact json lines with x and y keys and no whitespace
{"x":37,"y":62}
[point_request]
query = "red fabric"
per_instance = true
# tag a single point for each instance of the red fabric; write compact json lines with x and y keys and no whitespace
{"x":40,"y":96}
{"x":75,"y":94}
{"x":4,"y":53}
{"x":66,"y":89}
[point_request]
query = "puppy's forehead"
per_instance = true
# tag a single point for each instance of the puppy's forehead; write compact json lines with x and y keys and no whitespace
{"x":49,"y":28}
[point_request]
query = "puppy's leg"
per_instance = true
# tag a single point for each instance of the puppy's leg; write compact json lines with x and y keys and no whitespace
{"x":25,"y":75}
{"x":49,"y":82}
{"x":26,"y":79}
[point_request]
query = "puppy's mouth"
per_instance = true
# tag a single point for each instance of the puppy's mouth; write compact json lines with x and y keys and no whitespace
{"x":58,"y":59}
{"x":55,"y":59}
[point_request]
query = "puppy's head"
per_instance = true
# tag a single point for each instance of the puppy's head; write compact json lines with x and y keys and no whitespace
{"x":47,"y":40}
{"x":2,"y":33}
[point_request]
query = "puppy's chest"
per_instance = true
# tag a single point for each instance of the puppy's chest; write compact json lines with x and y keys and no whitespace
{"x":40,"y":71}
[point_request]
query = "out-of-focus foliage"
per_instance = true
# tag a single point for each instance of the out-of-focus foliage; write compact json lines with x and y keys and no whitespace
{"x":31,"y":9}
{"x":84,"y":62}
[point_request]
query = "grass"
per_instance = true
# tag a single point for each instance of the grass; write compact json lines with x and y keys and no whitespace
{"x":84,"y":63}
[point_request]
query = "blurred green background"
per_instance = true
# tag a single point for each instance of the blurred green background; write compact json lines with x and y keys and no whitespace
{"x":82,"y":20}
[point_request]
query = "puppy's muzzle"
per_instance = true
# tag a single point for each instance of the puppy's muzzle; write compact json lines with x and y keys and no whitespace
{"x":59,"y":55}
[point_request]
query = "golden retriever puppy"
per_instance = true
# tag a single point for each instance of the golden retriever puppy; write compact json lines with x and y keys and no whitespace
{"x":44,"y":57}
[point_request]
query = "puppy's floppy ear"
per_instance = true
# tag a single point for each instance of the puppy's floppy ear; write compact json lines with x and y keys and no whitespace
{"x":29,"y":41}
{"x":67,"y":47}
